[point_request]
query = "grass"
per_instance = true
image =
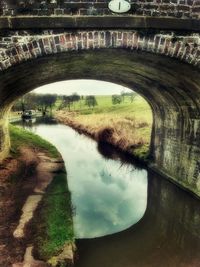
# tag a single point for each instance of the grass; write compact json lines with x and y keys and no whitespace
{"x":129,"y":122}
{"x":20,"y":137}
{"x":136,"y":108}
{"x":55,"y":226}
{"x":52,"y":224}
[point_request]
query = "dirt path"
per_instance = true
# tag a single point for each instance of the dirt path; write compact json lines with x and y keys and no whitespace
{"x":29,"y":261}
{"x":43,"y":177}
{"x":23,"y":183}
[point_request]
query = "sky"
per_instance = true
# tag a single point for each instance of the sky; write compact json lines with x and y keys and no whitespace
{"x":82,"y":87}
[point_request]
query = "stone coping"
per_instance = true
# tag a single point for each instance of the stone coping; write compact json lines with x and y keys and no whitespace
{"x":98,"y":22}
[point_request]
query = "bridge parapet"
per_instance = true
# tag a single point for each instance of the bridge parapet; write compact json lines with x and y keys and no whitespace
{"x":157,"y":8}
{"x":17,"y":47}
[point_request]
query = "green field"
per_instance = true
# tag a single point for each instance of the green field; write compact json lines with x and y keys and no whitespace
{"x":138,"y":108}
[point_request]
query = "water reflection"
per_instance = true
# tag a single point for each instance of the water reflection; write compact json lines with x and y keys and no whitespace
{"x":108,"y":196}
{"x":109,"y":152}
{"x":167,"y":236}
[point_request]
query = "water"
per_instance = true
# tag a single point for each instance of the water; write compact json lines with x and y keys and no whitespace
{"x":107,"y":196}
{"x":110,"y":197}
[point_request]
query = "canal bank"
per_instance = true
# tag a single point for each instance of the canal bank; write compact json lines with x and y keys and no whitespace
{"x":122,"y":134}
{"x":30,"y":201}
{"x":110,"y":135}
{"x":163,"y":235}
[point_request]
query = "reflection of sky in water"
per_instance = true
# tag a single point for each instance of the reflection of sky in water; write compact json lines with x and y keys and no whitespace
{"x":107,"y":196}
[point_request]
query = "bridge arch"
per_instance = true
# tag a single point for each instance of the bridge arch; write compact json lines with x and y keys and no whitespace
{"x":22,"y":46}
{"x":172,"y":89}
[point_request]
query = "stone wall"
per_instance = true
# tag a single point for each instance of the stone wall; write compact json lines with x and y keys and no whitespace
{"x":171,"y":87}
{"x":159,"y":8}
{"x":17,"y":47}
{"x":171,"y":8}
{"x":4,"y":133}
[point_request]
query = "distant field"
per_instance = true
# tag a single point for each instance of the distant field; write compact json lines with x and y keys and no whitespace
{"x":130,"y":122}
{"x":139,"y":108}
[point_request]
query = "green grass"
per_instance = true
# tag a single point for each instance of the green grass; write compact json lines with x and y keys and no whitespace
{"x":52,"y":223}
{"x":138,"y":108}
{"x":20,"y":137}
{"x":54,"y":226}
{"x":142,"y":152}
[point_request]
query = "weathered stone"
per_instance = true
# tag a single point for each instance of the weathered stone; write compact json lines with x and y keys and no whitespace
{"x":171,"y":87}
{"x":100,"y":8}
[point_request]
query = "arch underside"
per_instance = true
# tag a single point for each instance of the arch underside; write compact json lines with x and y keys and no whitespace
{"x":171,"y":88}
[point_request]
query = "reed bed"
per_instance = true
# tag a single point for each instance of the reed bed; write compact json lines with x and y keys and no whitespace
{"x":128,"y":133}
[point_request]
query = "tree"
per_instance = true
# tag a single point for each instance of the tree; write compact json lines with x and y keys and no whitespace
{"x":91,"y":101}
{"x":46,"y":101}
{"x":50,"y":101}
{"x":67,"y":102}
{"x":26,"y":102}
{"x":116,"y":99}
{"x":132,"y":96}
{"x":75,"y":97}
{"x":123,"y":93}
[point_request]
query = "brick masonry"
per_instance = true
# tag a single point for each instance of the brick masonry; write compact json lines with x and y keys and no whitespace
{"x":17,"y":47}
{"x":157,"y":8}
{"x":171,"y":87}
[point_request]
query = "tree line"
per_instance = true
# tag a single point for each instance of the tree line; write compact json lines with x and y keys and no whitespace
{"x":46,"y":102}
{"x":118,"y":99}
{"x":35,"y":102}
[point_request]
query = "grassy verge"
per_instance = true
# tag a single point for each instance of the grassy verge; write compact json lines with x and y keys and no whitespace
{"x":55,"y":227}
{"x":127,"y":126}
{"x":20,"y":137}
{"x":52,"y":225}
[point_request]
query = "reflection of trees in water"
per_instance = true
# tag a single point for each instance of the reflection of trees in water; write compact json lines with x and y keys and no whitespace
{"x":110,"y":152}
{"x":31,"y":124}
{"x":46,"y":119}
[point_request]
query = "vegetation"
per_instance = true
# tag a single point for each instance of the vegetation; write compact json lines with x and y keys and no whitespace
{"x":55,"y":227}
{"x":122,"y":120}
{"x":52,"y":224}
{"x":67,"y":101}
{"x":116,"y":99}
{"x":33,"y":101}
{"x":126,"y":125}
{"x":91,"y":101}
{"x":20,"y":137}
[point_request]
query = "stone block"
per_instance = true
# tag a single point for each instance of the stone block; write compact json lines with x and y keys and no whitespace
{"x":183,"y":8}
{"x":196,"y":9}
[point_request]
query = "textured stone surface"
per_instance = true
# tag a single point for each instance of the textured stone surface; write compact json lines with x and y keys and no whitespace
{"x":99,"y":22}
{"x":4,"y":134}
{"x":165,"y":8}
{"x":16,"y":47}
{"x":171,"y":87}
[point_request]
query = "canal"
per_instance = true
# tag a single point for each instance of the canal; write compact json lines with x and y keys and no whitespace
{"x":125,"y":216}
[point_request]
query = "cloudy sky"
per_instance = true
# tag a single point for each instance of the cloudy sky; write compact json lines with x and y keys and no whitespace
{"x":82,"y":87}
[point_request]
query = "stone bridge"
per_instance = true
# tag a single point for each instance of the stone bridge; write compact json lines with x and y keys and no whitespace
{"x":157,"y":57}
